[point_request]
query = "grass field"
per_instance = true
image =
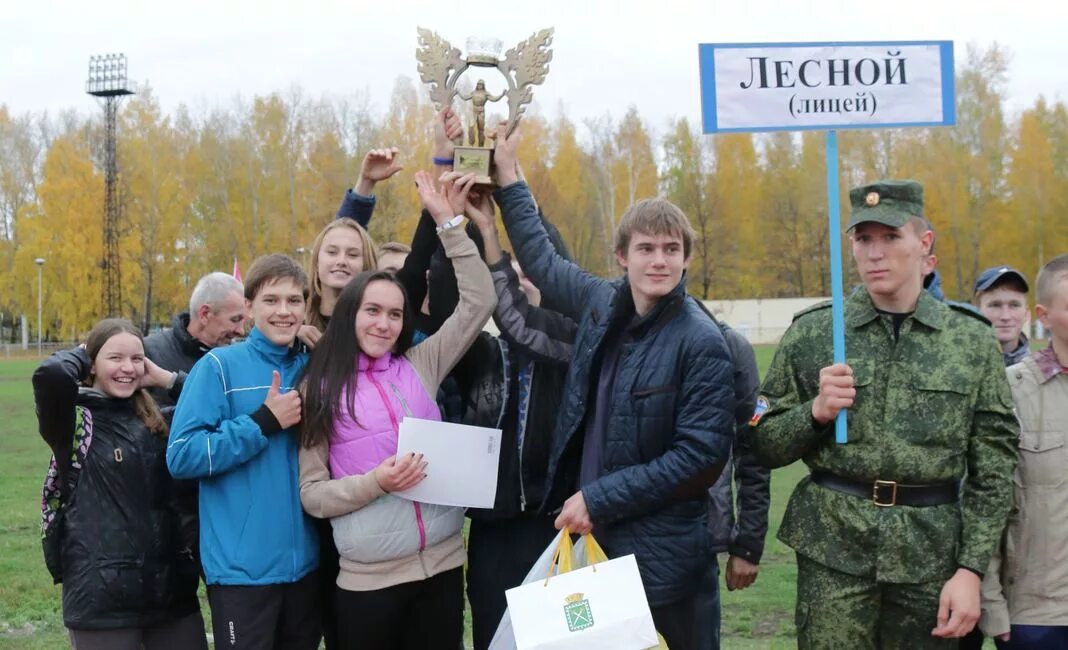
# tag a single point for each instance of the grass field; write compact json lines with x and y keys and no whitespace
{"x":30,"y":619}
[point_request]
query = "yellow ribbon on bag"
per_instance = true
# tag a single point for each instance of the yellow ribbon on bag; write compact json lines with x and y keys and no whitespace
{"x":562,"y":554}
{"x":594,"y":552}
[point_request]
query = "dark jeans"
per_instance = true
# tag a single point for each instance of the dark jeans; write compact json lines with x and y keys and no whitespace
{"x":279,"y":617}
{"x":1035,"y":637}
{"x":499,"y":556}
{"x":693,"y":622}
{"x":422,"y":615}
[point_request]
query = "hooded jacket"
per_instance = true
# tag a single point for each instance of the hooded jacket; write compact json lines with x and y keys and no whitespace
{"x":124,"y":560}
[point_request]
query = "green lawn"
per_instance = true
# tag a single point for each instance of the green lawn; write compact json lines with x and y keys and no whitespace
{"x":29,"y":603}
{"x":759,"y":617}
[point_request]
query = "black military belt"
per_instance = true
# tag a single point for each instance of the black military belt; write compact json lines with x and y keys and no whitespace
{"x":890,"y":493}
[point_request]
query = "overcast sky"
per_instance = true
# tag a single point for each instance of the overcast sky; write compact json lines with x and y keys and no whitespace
{"x":607,"y":55}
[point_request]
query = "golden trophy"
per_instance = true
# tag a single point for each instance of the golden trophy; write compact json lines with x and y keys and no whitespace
{"x":441,"y":66}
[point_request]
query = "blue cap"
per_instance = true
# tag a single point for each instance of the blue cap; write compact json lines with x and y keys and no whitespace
{"x":998,"y":274}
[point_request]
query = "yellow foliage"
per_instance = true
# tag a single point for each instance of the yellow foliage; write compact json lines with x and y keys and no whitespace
{"x":202,"y":190}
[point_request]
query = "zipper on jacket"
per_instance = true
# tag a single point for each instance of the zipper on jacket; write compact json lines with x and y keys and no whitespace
{"x":524,"y":423}
{"x":422,"y":563}
{"x":422,"y":529}
{"x":292,"y":520}
{"x":396,"y":427}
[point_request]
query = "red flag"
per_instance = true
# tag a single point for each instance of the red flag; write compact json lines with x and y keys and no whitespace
{"x":237,"y":270}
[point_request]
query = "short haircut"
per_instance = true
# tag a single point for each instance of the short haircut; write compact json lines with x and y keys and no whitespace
{"x":271,"y":268}
{"x":921,"y":225}
{"x":212,"y":289}
{"x":1049,"y":275}
{"x":655,"y":216}
{"x":393,"y":247}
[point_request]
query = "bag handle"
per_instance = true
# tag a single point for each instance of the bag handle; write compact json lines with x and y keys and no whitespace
{"x":594,"y":552}
{"x":562,"y":554}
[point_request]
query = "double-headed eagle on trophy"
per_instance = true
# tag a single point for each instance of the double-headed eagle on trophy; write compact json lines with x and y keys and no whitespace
{"x":524,"y":66}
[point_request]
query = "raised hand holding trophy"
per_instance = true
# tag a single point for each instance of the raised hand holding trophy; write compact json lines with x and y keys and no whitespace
{"x":441,"y":65}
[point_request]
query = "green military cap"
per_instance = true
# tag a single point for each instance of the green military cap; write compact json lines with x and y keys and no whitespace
{"x":887,"y":202}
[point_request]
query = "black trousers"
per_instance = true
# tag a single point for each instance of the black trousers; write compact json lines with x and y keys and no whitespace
{"x":499,"y":556}
{"x":422,"y":615}
{"x":328,"y":570}
{"x":269,"y":617}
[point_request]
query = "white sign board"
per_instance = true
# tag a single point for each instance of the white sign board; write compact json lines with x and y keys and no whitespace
{"x":461,"y":462}
{"x":798,"y":86}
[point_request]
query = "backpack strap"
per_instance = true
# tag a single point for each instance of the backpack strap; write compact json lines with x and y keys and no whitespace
{"x":53,"y":493}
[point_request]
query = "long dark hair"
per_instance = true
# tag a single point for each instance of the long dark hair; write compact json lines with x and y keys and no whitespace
{"x":334,"y":362}
{"x":145,"y":407}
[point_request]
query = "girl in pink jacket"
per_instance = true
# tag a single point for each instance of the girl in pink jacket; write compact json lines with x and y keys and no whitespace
{"x":400,"y":584}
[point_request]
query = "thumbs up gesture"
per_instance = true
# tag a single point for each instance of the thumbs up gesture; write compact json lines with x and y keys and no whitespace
{"x":284,"y":406}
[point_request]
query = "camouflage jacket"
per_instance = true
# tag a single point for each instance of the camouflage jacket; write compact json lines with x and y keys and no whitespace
{"x":931,"y":407}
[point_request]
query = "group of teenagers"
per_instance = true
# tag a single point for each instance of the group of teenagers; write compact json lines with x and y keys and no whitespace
{"x":266,"y":467}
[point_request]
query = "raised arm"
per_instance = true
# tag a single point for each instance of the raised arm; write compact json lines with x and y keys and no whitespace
{"x":564,"y":282}
{"x":440,"y":352}
{"x":412,"y":274}
{"x":359,"y":201}
{"x":55,"y":393}
{"x":542,"y":334}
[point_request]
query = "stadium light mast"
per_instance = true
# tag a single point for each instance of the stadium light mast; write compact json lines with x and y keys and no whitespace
{"x":107,"y":81}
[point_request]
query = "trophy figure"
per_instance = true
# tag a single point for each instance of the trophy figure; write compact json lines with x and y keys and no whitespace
{"x":441,"y":65}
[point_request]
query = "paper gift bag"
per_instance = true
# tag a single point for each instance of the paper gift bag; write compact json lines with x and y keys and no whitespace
{"x":599,"y":606}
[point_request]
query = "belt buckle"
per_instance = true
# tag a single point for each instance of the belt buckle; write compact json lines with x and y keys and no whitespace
{"x":875,"y":493}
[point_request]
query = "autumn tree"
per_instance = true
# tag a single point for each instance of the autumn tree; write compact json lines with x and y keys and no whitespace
{"x":685,"y":183}
{"x":64,"y":227}
{"x":206,"y":187}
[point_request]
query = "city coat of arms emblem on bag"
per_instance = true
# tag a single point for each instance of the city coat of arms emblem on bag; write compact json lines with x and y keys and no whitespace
{"x":577,"y":611}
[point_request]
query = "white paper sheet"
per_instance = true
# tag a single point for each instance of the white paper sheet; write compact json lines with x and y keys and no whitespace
{"x":461,"y":462}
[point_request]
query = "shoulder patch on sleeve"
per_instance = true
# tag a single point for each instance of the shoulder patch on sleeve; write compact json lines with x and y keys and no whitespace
{"x":826,"y":304}
{"x":762,"y":406}
{"x":970,"y":310}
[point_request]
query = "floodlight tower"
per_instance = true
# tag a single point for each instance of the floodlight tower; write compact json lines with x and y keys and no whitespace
{"x":107,"y":80}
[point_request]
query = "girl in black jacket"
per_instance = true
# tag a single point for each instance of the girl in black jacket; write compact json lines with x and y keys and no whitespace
{"x":112,"y":531}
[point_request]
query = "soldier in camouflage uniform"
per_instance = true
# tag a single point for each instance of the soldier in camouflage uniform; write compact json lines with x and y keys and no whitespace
{"x":890,"y":546}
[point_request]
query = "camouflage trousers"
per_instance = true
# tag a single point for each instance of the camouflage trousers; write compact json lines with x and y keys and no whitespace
{"x":839,"y":611}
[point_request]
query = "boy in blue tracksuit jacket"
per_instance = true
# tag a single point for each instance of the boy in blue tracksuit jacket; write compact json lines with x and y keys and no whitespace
{"x":234,"y":429}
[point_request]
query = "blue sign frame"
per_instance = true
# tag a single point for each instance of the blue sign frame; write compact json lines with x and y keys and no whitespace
{"x":707,"y":61}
